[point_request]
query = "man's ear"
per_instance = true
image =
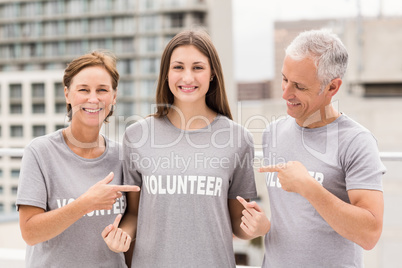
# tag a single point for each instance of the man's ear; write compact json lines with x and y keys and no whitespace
{"x":334,"y":86}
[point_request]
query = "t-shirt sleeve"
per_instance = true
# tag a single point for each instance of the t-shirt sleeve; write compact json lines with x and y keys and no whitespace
{"x":243,"y":181}
{"x":130,"y":160}
{"x":31,"y":184}
{"x":364,"y":168}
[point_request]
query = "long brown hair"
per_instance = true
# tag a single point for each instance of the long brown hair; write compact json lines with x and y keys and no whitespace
{"x":215,"y":98}
{"x":104,"y":59}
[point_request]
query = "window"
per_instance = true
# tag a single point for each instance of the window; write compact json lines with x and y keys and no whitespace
{"x":1,"y":189}
{"x":32,"y":9}
{"x":126,"y":89}
{"x":124,"y":5}
{"x":103,"y":25}
{"x":148,"y":88}
{"x":167,"y":39}
{"x":124,"y":25}
{"x":175,"y":3}
{"x":149,"y":66}
{"x":38,"y":108}
{"x":38,"y":131}
{"x":59,"y":90}
{"x":11,"y":31}
{"x":15,"y":173}
{"x":16,"y":91}
{"x":38,"y":90}
{"x":382,"y":90}
{"x":149,"y":44}
{"x":14,"y":190}
{"x":51,"y":28}
{"x":52,"y":49}
{"x":149,"y":23}
{"x":13,"y":207}
{"x":74,"y":48}
{"x":125,"y":109}
{"x":125,"y":45}
{"x":75,"y":6}
{"x":98,"y":5}
{"x":97,"y":44}
{"x":59,"y":127}
{"x":1,"y":207}
{"x":125,"y":67}
{"x":16,"y":108}
{"x":146,"y":108}
{"x":16,"y":131}
{"x":53,"y":7}
{"x":30,"y":29}
{"x":1,"y":173}
{"x":74,"y":27}
{"x":60,"y":108}
{"x":30,"y":50}
{"x":177,"y":20}
{"x":199,"y":18}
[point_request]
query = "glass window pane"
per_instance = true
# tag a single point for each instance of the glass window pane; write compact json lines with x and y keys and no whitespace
{"x":38,"y":131}
{"x":38,"y":108}
{"x":16,"y":91}
{"x":16,"y":108}
{"x":38,"y":90}
{"x":16,"y":131}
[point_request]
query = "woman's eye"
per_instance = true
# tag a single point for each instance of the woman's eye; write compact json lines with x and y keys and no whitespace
{"x":198,"y":68}
{"x":177,"y":67}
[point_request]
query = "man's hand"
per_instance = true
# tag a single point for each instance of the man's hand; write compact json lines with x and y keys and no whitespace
{"x":293,"y":176}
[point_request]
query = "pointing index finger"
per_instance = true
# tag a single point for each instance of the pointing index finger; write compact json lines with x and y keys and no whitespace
{"x":274,"y":168}
{"x":128,"y":188}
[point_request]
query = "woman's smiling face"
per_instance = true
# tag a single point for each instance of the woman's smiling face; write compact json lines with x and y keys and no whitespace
{"x":91,"y":96}
{"x":189,"y":75}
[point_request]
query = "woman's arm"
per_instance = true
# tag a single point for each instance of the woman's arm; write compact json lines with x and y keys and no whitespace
{"x":248,"y":219}
{"x":118,"y":237}
{"x":38,"y":226}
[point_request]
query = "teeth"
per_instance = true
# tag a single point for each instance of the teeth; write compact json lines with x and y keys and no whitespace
{"x":92,"y":110}
{"x":187,"y":88}
{"x":291,"y":103}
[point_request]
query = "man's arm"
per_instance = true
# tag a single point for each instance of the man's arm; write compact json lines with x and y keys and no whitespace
{"x":360,"y":221}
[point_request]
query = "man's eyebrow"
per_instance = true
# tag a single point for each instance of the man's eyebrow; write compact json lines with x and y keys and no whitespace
{"x":295,"y":82}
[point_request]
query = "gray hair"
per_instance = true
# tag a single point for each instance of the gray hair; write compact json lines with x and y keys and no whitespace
{"x":325,"y":49}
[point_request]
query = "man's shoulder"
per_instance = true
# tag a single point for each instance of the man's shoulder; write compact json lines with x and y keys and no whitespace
{"x":281,"y":122}
{"x":349,"y":127}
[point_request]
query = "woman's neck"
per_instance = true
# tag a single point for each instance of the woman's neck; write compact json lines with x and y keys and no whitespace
{"x":190,"y":116}
{"x":87,"y":143}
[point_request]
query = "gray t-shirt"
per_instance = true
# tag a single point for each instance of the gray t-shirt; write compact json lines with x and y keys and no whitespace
{"x":342,"y":156}
{"x":187,"y":178}
{"x":53,"y":176}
